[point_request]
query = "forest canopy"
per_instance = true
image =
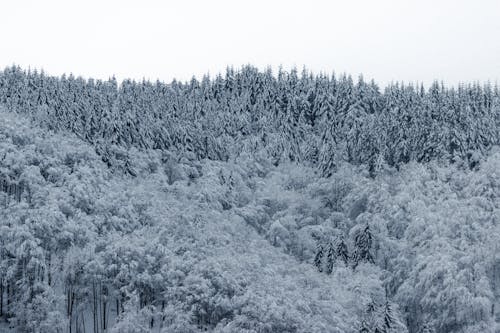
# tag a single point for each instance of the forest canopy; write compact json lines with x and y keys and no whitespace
{"x":318,"y":119}
{"x":248,"y":202}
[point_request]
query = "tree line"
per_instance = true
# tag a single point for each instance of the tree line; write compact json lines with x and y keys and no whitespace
{"x":317,"y":119}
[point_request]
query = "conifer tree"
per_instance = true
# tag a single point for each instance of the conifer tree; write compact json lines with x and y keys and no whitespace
{"x":362,"y":246}
{"x":318,"y":259}
{"x":387,"y":320}
{"x":341,"y":251}
{"x":330,"y":258}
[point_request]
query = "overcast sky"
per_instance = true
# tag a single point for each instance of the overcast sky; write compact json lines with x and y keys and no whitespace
{"x":450,"y":40}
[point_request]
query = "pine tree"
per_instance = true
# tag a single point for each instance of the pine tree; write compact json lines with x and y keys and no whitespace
{"x":387,"y":319}
{"x":341,"y":252}
{"x":318,"y":259}
{"x":369,"y":318}
{"x":362,"y":247}
{"x":330,"y":258}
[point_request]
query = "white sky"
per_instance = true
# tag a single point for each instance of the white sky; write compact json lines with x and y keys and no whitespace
{"x":450,"y":40}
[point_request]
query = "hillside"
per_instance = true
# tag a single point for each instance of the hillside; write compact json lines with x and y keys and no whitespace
{"x":78,"y":239}
{"x":116,"y":219}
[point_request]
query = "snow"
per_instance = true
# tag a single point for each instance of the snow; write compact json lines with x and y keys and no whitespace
{"x":183,"y":208}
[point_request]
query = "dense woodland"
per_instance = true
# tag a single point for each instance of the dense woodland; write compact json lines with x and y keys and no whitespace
{"x":320,"y":120}
{"x":248,"y":202}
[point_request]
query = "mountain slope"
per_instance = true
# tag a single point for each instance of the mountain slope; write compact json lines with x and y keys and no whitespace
{"x":160,"y":250}
{"x":163,"y":241}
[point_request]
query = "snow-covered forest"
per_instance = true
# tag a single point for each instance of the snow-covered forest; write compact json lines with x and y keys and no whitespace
{"x":250,"y":201}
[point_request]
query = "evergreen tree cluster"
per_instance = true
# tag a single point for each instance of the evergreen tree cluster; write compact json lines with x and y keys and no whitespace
{"x":319,"y":119}
{"x":379,"y":318}
{"x":338,"y":252}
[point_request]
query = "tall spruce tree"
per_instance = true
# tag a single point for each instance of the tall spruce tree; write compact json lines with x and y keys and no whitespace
{"x":363,"y":240}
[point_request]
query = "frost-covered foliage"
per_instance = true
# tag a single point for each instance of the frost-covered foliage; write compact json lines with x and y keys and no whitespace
{"x":321,"y":120}
{"x":84,"y":248}
{"x":433,"y":232}
{"x":204,"y":206}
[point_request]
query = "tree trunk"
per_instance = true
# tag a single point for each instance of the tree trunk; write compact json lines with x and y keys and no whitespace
{"x":1,"y":299}
{"x":70,"y":304}
{"x":49,"y":272}
{"x":8,"y":300}
{"x":94,"y":308}
{"x":83,"y":321}
{"x":104,"y":315}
